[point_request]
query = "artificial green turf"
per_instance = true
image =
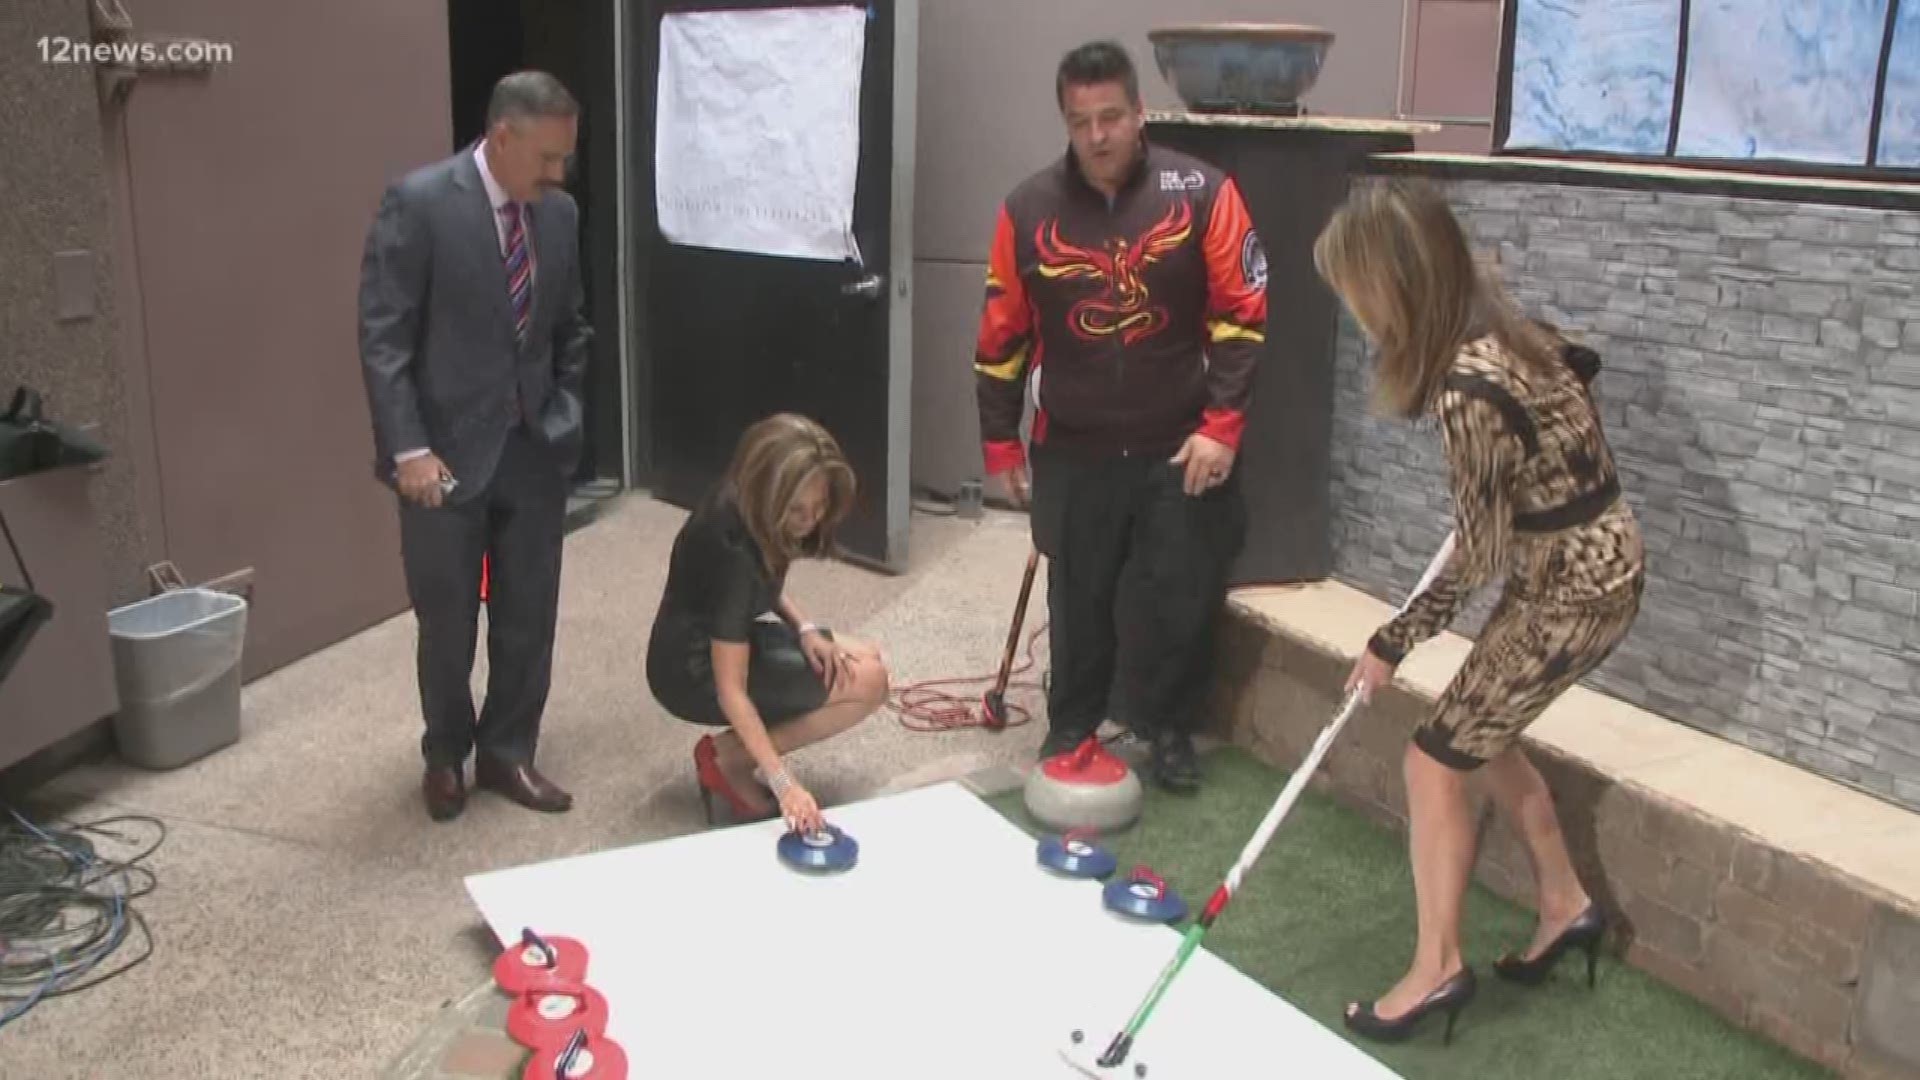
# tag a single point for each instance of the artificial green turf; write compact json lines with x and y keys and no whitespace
{"x":1327,"y":915}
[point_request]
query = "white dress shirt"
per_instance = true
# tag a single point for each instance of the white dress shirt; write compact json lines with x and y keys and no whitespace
{"x":498,"y":197}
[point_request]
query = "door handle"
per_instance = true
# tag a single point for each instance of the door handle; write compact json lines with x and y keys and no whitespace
{"x":867,"y":288}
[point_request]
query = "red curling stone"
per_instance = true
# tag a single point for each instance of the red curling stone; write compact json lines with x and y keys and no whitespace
{"x":546,"y":1019}
{"x":537,"y":963}
{"x":1086,"y":789}
{"x":596,"y":1058}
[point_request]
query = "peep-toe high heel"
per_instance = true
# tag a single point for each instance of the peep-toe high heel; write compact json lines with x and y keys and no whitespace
{"x":1451,"y":997}
{"x":1585,"y":932}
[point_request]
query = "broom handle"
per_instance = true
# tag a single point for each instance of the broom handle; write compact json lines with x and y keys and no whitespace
{"x":1301,"y":775}
{"x":1438,"y":564}
{"x":1295,"y":784}
{"x":1019,"y":619}
{"x":1123,"y":1040}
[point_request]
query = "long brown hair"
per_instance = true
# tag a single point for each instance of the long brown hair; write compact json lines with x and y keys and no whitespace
{"x":1399,"y":260}
{"x":775,"y":457}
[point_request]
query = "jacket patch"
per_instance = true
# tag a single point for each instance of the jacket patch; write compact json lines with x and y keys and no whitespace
{"x":1175,"y":180}
{"x":1253,"y":261}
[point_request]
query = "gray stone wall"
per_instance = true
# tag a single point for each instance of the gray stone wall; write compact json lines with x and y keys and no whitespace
{"x":1762,"y":391}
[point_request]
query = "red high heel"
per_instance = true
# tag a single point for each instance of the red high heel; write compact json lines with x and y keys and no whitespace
{"x":706,"y":767}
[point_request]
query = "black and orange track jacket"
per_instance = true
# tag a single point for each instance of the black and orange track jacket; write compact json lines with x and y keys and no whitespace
{"x":1135,"y":324}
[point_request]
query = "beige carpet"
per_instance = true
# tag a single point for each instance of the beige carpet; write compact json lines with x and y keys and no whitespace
{"x":310,"y":919}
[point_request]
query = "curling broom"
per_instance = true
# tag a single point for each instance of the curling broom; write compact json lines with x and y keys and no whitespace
{"x":1116,"y":1052}
{"x":993,"y":704}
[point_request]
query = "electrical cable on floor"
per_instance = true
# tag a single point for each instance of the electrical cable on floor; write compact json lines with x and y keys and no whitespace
{"x":923,"y":707}
{"x":66,"y":909}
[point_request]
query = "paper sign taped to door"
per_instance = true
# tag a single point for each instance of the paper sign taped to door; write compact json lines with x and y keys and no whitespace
{"x":758,"y":130}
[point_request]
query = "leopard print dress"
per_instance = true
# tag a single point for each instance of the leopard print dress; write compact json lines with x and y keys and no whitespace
{"x":1536,"y":495}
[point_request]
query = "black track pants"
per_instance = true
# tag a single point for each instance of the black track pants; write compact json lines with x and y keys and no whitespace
{"x":1136,"y":574}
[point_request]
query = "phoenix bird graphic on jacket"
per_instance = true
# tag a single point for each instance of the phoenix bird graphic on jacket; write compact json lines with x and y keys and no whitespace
{"x":1122,"y":306}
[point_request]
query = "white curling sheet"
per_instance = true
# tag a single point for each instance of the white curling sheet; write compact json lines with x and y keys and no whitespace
{"x":758,"y":130}
{"x":946,"y":953}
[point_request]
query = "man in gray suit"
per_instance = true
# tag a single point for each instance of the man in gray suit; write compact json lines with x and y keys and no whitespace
{"x":474,"y":348}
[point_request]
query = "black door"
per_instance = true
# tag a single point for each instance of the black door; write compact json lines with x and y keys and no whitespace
{"x":732,"y":337}
{"x":490,"y":38}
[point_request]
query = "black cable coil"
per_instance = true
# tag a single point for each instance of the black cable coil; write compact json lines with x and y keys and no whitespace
{"x":66,"y":908}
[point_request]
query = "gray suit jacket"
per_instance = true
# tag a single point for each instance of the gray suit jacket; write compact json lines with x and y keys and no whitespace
{"x":437,"y":348}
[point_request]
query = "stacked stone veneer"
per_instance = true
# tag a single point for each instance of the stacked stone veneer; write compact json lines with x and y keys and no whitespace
{"x":1762,"y":390}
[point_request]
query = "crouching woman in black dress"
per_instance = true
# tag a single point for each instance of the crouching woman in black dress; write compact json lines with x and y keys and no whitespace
{"x":729,"y":649}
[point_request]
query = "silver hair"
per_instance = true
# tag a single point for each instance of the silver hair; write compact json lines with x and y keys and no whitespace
{"x":526,"y":95}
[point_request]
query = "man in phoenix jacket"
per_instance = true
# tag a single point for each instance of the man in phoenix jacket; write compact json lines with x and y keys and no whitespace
{"x":1126,"y":294}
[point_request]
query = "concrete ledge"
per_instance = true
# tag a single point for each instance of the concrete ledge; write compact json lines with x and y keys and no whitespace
{"x":1787,"y":902}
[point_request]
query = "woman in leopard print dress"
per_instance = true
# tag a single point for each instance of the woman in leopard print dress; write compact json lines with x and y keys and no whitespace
{"x":1536,"y":499}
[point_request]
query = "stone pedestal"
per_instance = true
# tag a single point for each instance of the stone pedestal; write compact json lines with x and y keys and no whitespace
{"x":1293,"y":172}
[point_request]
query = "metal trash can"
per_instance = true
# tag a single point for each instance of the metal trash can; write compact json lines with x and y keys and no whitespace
{"x":176,"y":659}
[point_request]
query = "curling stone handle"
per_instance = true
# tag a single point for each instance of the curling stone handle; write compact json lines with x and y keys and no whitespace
{"x":532,"y":940}
{"x":1144,"y":873}
{"x":563,"y":1064}
{"x":1083,"y":757}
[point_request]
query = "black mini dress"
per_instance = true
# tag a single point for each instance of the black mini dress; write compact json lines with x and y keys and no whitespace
{"x":718,"y":589}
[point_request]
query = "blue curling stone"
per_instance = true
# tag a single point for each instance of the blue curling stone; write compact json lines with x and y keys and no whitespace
{"x":1075,"y":857}
{"x":827,"y":851}
{"x":1142,"y":896}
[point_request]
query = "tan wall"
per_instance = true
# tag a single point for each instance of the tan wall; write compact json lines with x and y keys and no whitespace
{"x":55,"y":176}
{"x":987,"y":119}
{"x":1452,"y":59}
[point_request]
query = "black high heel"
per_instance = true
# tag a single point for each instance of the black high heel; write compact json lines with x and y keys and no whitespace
{"x":1585,"y":932}
{"x":1452,"y":996}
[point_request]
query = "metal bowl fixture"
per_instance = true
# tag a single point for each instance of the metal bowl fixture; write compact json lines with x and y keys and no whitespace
{"x":1257,"y":68}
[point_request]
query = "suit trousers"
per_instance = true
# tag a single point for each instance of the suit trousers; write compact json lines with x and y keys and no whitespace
{"x":1136,"y":574}
{"x":519,"y":520}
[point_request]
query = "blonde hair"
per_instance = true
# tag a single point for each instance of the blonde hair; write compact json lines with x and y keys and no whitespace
{"x":1399,"y":260}
{"x":774,"y":459}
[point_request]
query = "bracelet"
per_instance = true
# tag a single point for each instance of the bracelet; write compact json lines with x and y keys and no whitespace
{"x":810,"y":628}
{"x":779,"y":782}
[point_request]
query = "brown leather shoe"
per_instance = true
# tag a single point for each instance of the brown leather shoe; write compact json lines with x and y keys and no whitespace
{"x":523,"y":784}
{"x":446,"y":792}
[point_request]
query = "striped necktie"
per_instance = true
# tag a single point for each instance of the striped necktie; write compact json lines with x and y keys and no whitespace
{"x":519,"y":270}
